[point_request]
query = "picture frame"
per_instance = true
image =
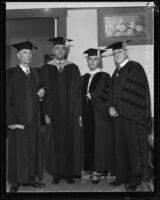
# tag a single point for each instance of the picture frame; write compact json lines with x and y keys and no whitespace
{"x":125,"y":23}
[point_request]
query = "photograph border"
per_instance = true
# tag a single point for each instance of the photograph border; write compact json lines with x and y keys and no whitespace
{"x":139,"y":196}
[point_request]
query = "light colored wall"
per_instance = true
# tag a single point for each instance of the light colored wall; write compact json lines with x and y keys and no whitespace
{"x":82,"y":28}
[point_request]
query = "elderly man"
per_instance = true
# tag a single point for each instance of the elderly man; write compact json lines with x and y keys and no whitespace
{"x":130,"y":109}
{"x":62,"y":82}
{"x":22,"y":109}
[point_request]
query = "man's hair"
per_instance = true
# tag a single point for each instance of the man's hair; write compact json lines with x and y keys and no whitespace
{"x":99,"y":64}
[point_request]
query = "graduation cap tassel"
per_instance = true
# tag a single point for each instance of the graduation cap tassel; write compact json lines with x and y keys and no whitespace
{"x":124,"y":46}
{"x":98,"y":53}
{"x":66,"y":43}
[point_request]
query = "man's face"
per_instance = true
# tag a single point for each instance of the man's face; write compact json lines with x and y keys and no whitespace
{"x":25,"y":56}
{"x":59,"y":51}
{"x":92,"y":62}
{"x":119,"y":55}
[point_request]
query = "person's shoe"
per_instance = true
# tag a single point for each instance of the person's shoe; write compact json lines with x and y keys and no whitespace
{"x":115,"y":183}
{"x":95,"y":181}
{"x":37,"y":184}
{"x":95,"y":178}
{"x":34,"y":184}
{"x":132,"y":188}
{"x":69,"y":180}
{"x":56,"y":179}
{"x":126,"y":185}
{"x":14,"y":188}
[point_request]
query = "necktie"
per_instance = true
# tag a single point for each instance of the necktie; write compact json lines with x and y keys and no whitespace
{"x":117,"y":70}
{"x":60,"y":67}
{"x":28,"y":73}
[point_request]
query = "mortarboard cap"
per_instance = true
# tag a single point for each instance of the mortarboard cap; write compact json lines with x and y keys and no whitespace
{"x":24,"y":45}
{"x":118,"y":45}
{"x":94,"y":52}
{"x":59,"y":41}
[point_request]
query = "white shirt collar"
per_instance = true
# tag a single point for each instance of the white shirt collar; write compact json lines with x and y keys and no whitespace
{"x":58,"y":61}
{"x":24,"y":68}
{"x":95,"y":71}
{"x":124,"y":63}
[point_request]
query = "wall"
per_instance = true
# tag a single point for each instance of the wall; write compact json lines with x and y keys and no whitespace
{"x":82,"y":28}
{"x":24,"y":29}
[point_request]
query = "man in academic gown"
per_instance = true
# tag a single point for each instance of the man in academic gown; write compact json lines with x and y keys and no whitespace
{"x":61,"y":81}
{"x":130,"y":109}
{"x":22,"y":121}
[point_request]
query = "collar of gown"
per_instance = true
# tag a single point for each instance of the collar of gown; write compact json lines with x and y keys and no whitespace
{"x":53,"y":62}
{"x":24,"y":68}
{"x":95,"y":71}
{"x":59,"y":62}
{"x":124,"y":63}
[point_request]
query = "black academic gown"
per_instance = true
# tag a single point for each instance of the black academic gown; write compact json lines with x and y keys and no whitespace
{"x":63,"y":106}
{"x":98,"y":148}
{"x":131,"y":98}
{"x":24,"y":145}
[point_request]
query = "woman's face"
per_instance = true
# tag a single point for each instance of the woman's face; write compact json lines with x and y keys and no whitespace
{"x":92,"y":62}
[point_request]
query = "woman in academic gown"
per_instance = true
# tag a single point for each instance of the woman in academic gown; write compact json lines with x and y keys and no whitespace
{"x":98,"y":155}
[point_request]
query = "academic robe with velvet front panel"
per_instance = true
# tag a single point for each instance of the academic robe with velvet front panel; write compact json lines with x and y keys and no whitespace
{"x":97,"y":130}
{"x":24,"y":145}
{"x":63,"y":106}
{"x":131,"y":98}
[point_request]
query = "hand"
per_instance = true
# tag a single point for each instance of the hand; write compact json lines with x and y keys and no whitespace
{"x":112,"y":112}
{"x":41,"y":92}
{"x":151,"y":140}
{"x":88,"y":95}
{"x":47,"y":119}
{"x":80,"y":121}
{"x":14,"y":126}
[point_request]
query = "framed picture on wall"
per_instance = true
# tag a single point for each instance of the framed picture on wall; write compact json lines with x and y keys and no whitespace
{"x":118,"y":24}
